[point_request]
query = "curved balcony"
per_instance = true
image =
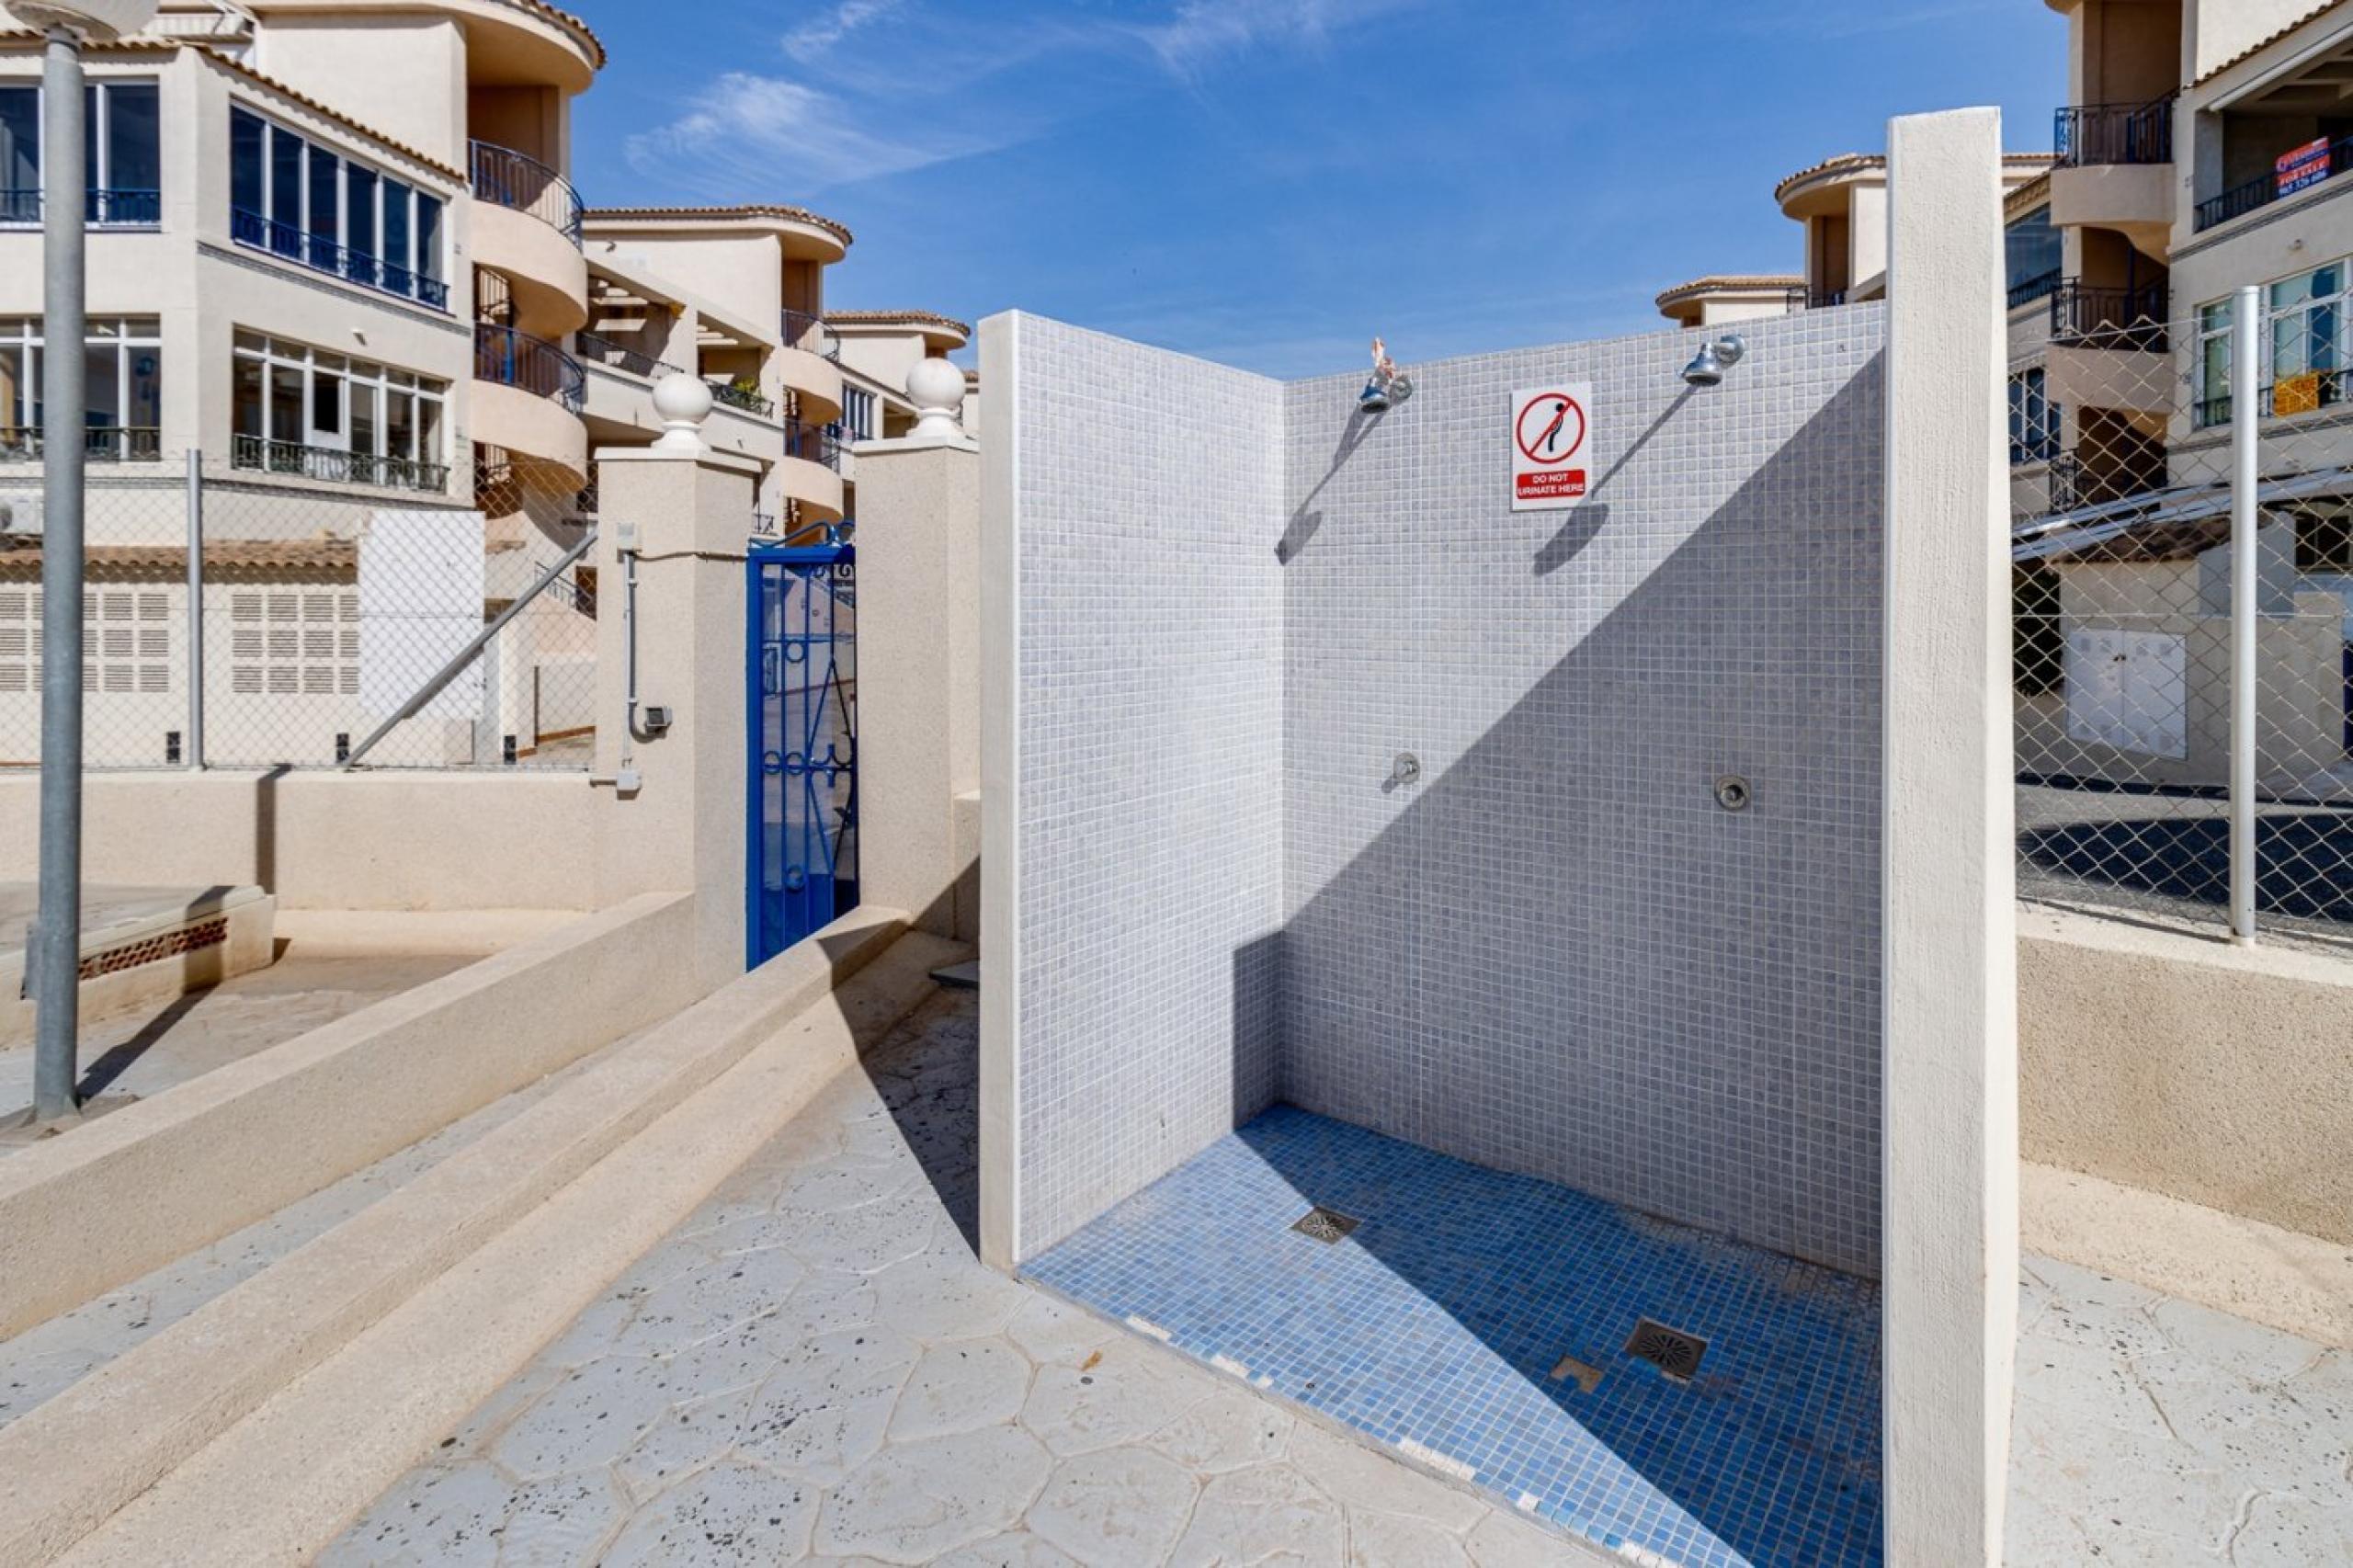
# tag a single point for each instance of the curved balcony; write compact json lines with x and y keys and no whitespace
{"x":528,"y":398}
{"x":812,"y":443}
{"x":812,"y":335}
{"x":527,"y":229}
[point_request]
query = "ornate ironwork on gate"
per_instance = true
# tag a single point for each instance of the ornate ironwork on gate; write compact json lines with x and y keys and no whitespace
{"x":802,"y":669}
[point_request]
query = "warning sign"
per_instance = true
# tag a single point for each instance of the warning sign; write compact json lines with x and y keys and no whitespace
{"x":1551,"y":443}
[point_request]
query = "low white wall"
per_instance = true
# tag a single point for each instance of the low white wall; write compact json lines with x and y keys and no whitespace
{"x":2208,"y":1072}
{"x":80,"y":1215}
{"x":422,"y":840}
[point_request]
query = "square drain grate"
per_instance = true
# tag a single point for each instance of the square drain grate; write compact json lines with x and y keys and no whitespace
{"x":1671,"y":1350}
{"x":1325,"y":1225}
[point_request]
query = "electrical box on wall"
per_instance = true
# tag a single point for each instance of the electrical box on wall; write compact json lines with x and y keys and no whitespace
{"x":657,"y":718}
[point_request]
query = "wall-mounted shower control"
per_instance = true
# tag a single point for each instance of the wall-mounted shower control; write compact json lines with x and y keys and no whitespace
{"x":1406,"y":769}
{"x":1733,"y":792}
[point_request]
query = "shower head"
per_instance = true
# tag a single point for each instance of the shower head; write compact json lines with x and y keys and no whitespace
{"x":1708,"y":366}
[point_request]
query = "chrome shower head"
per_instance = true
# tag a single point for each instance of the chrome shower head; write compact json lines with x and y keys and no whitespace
{"x":1708,"y":366}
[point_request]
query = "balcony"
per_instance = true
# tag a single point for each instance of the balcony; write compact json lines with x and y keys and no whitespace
{"x":812,"y":443}
{"x":105,"y":209}
{"x":2092,"y":135}
{"x":252,"y":230}
{"x":2326,"y":164}
{"x":100,"y":443}
{"x":510,"y":358}
{"x":2028,"y":291}
{"x":519,"y":183}
{"x":600,"y":350}
{"x":747,"y":399}
{"x":2085,"y":316}
{"x":2284,"y":398}
{"x":812,"y":335}
{"x":336,"y":467}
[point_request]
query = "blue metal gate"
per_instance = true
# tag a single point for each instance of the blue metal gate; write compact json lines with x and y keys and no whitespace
{"x":804,"y":777}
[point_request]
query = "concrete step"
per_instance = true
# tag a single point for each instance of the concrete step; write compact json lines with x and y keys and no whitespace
{"x":359,"y":1347}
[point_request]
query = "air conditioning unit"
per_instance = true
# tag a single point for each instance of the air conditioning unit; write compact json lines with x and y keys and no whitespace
{"x":20,"y":516}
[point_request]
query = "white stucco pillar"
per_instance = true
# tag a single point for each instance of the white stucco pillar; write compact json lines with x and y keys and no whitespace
{"x":682,"y":824}
{"x":919,"y":679}
{"x":1950,"y":1247}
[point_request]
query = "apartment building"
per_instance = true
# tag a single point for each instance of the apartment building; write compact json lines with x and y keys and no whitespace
{"x":335,"y":249}
{"x":2201,"y":151}
{"x":876,"y":350}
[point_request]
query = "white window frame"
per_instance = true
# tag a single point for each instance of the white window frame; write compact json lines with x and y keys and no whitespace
{"x":377,"y":382}
{"x":23,"y":336}
{"x":2214,"y":325}
{"x":102,"y":112}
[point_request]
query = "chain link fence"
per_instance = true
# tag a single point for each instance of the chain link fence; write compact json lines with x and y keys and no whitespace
{"x":2129,"y":624}
{"x":326,"y":606}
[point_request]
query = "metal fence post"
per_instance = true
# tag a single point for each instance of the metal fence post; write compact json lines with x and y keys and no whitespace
{"x":195,"y":608}
{"x":55,"y":953}
{"x":2246,"y":354}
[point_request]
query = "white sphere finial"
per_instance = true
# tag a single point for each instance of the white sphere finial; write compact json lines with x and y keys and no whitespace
{"x":937,"y":389}
{"x":683,"y":402}
{"x":99,"y":21}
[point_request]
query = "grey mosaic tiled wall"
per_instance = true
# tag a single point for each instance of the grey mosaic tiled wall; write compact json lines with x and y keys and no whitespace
{"x":1554,"y":953}
{"x":1149,"y":493}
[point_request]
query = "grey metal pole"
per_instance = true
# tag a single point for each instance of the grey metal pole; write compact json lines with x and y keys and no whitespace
{"x":56,"y":949}
{"x":2245,"y":380}
{"x":195,"y":757}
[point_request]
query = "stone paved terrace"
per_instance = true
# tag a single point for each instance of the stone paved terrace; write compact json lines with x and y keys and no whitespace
{"x":815,"y":1369}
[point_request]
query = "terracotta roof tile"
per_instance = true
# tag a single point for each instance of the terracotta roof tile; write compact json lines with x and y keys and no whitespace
{"x":252,"y":554}
{"x":768,"y":209}
{"x":893,"y":318}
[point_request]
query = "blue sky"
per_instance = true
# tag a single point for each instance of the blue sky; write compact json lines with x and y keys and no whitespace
{"x":1270,"y":182}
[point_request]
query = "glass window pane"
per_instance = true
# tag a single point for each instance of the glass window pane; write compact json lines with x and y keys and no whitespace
{"x":19,"y":154}
{"x":135,"y":159}
{"x":285,"y":404}
{"x":15,"y":392}
{"x":284,"y":188}
{"x":359,"y":194}
{"x":326,"y":184}
{"x":396,"y":215}
{"x":143,"y":407}
{"x":428,"y":235}
{"x":365,"y":430}
{"x":428,"y":430}
{"x":400,"y":424}
{"x":247,"y":403}
{"x":102,"y":363}
{"x":244,"y":161}
{"x":326,"y":404}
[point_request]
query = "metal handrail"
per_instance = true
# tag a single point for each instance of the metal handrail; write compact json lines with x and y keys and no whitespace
{"x":601,"y":350}
{"x":505,"y":178}
{"x":2263,"y":190}
{"x":2088,"y":134}
{"x":812,"y":333}
{"x":528,"y":363}
{"x":815,"y":443}
{"x":252,"y":230}
{"x":128,"y":208}
{"x":335,"y":467}
{"x":2082,"y":315}
{"x":2028,"y":291}
{"x":100,"y":443}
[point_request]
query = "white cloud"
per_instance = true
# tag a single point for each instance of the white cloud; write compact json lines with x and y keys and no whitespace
{"x":751,"y":136}
{"x":1203,"y":32}
{"x":809,"y":40}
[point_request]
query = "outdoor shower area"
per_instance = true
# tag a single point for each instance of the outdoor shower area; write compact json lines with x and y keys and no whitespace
{"x":1446,"y":985}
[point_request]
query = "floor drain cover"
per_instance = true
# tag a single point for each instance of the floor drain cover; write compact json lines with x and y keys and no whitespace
{"x":1322,"y":1224}
{"x":1671,"y":1350}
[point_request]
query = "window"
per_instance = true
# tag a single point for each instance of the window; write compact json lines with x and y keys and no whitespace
{"x":857,"y":415}
{"x":122,"y":403}
{"x":295,"y":198}
{"x":303,"y":410}
{"x":2032,"y":257}
{"x":121,"y":149}
{"x":2213,"y":369}
{"x":2034,"y":419}
{"x":2324,"y":539}
{"x":2307,"y":339}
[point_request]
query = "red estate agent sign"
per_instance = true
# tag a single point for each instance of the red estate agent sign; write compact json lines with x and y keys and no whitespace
{"x":1550,"y":432}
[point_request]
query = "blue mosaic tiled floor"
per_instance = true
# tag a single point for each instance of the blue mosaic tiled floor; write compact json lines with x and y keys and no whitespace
{"x":1435,"y":1327}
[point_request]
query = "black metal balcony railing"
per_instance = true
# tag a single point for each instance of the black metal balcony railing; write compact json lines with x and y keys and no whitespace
{"x":811,"y":334}
{"x":601,"y":350}
{"x":335,"y":467}
{"x":2090,"y":134}
{"x":2067,"y":478}
{"x":1823,"y":298}
{"x":519,"y":182}
{"x":106,"y":208}
{"x":2026,"y":290}
{"x":2241,"y":200}
{"x":2207,"y":412}
{"x":744,"y":398}
{"x":100,"y":443}
{"x":2090,"y":317}
{"x":251,"y":229}
{"x":528,"y":363}
{"x":813,"y":443}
